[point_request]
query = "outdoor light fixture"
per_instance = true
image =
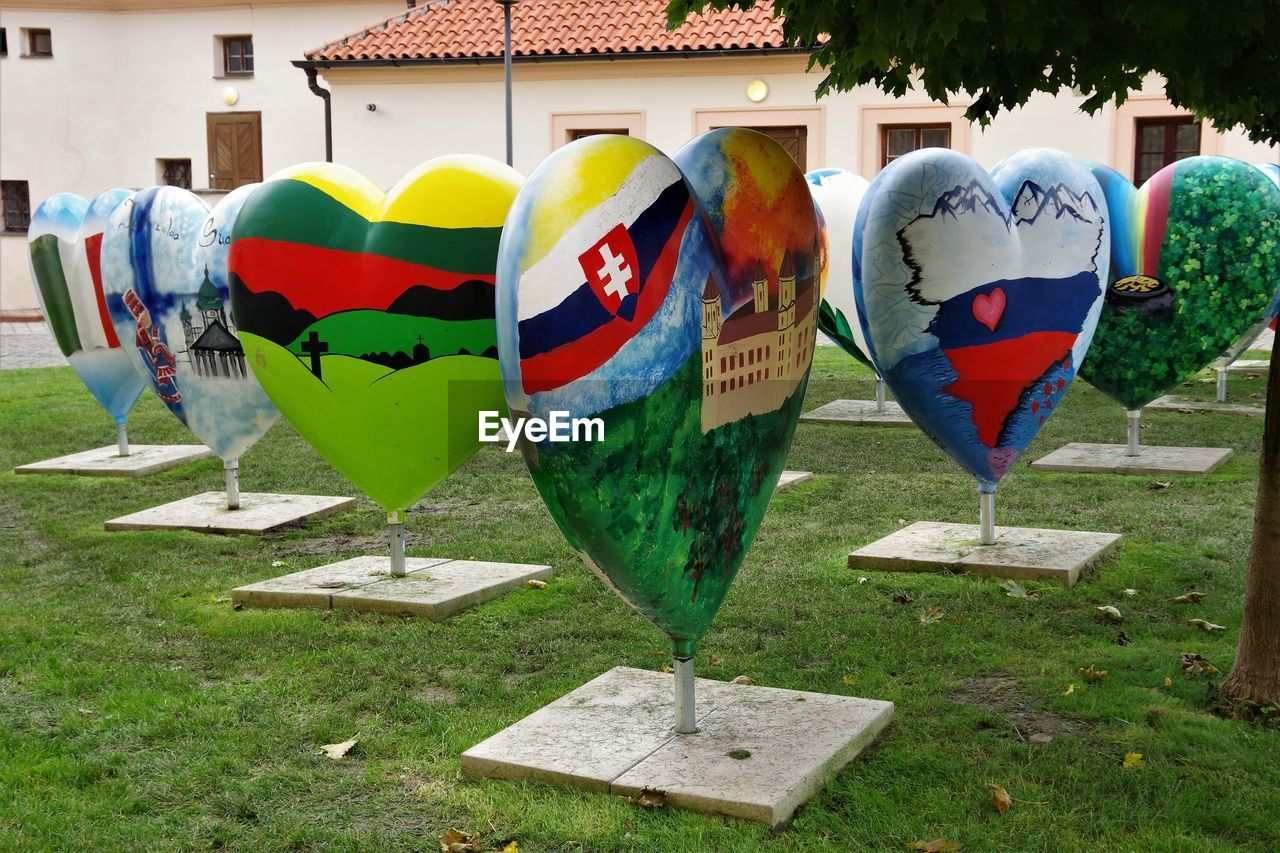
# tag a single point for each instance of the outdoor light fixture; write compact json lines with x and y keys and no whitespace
{"x":230,"y":96}
{"x":757,"y":91}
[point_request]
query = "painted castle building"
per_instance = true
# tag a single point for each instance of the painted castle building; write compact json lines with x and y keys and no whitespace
{"x":212,"y":346}
{"x":754,"y":359}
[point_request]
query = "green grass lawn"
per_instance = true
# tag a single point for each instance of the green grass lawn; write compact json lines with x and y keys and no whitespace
{"x":138,"y":710}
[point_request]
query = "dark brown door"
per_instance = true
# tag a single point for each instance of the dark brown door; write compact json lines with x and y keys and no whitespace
{"x":794,"y":139}
{"x":235,"y":149}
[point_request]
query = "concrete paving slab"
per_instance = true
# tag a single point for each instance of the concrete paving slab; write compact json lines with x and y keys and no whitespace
{"x":859,"y":413}
{"x":143,"y":459}
{"x":1152,"y":461}
{"x":315,"y":587}
{"x":439,"y":591}
{"x":791,"y":478}
{"x":433,"y":587}
{"x":759,"y":753}
{"x":207,"y":512}
{"x":1180,"y":403}
{"x":1019,"y":553}
{"x":1250,"y":365}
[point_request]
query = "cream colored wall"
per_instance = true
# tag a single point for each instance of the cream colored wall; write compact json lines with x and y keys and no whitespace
{"x":426,"y":112}
{"x":124,"y":89}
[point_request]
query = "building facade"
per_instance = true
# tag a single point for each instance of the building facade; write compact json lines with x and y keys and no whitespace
{"x":133,"y":95}
{"x":103,"y":93}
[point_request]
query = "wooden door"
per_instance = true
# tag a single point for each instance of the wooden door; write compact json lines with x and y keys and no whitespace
{"x":795,"y":139}
{"x":235,"y":149}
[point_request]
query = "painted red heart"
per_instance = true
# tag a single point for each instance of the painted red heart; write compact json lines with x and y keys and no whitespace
{"x":988,"y":308}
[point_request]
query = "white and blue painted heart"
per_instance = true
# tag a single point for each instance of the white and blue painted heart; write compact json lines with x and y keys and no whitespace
{"x":164,"y":267}
{"x":838,"y":194}
{"x":65,"y":239}
{"x":978,"y":294}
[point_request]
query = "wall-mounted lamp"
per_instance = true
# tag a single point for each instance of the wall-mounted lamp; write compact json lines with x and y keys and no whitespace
{"x":230,"y":96}
{"x":757,"y":91}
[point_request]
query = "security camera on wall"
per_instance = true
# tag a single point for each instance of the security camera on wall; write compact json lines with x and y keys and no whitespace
{"x":373,"y":107}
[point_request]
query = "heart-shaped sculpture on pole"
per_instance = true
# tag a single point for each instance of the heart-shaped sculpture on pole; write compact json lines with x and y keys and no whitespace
{"x":1195,"y":262}
{"x":368,"y":316}
{"x":1268,"y":317}
{"x":674,"y":304}
{"x":838,"y":194}
{"x":65,"y":239}
{"x":979,"y":295}
{"x":164,"y":265}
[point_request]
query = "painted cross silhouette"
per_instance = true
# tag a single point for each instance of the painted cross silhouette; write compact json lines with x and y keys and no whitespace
{"x":616,"y":271}
{"x":313,"y":346}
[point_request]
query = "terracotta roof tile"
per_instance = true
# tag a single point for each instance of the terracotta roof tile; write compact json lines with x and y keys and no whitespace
{"x":472,"y":29}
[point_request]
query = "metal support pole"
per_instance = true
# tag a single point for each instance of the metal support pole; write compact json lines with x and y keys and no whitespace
{"x":506,"y":65}
{"x":686,"y":718}
{"x":1135,"y":418}
{"x":986,"y":516}
{"x":395,"y":532}
{"x":1222,"y":384}
{"x":122,"y":438}
{"x":231,"y":467}
{"x":879,"y":396}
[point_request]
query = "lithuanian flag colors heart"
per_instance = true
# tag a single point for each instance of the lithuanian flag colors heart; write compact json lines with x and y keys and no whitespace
{"x":368,"y":317}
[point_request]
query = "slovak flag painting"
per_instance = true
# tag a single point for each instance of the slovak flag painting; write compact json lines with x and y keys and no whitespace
{"x":590,"y":295}
{"x":979,"y":294}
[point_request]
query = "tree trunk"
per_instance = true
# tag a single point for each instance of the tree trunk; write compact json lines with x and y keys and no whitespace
{"x":1255,"y":678}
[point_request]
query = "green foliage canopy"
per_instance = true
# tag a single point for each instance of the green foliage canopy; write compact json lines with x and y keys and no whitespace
{"x":1218,"y":60}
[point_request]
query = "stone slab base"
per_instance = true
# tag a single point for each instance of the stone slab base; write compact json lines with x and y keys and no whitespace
{"x":143,"y":459}
{"x":1191,"y":404}
{"x":1250,"y":365}
{"x":1151,"y":462}
{"x":435,"y":588}
{"x":1020,"y":553}
{"x":207,"y":512}
{"x":759,"y":752}
{"x":859,"y":413}
{"x":791,"y":478}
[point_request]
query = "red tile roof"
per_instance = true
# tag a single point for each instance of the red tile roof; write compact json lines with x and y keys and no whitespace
{"x":472,"y":29}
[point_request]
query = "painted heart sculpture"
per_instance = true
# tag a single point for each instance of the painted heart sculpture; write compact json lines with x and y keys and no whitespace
{"x":979,"y":294}
{"x":1195,"y":261}
{"x":368,"y":317}
{"x":675,"y":301}
{"x":164,"y":265}
{"x":838,"y":194}
{"x":1268,"y":318}
{"x":65,"y":239}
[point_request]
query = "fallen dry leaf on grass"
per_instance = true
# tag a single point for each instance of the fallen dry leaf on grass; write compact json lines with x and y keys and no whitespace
{"x":1188,"y":598}
{"x":1159,"y":484}
{"x":903,"y":598}
{"x":1122,"y":639}
{"x":1168,"y":682}
{"x":1194,"y":666}
{"x":1110,"y":613}
{"x":862,"y":580}
{"x":649,"y":798}
{"x":1130,"y":592}
{"x":1071,"y":688}
{"x":457,"y":841}
{"x":1133,"y":759}
{"x":742,"y":679}
{"x":1013,"y":589}
{"x":714,"y":661}
{"x":337,"y":750}
{"x":1207,"y":627}
{"x":1000,"y":799}
{"x":931,"y":615}
{"x":537,"y":584}
{"x":937,"y":845}
{"x":668,"y":668}
{"x":1092,"y":674}
{"x":849,"y":679}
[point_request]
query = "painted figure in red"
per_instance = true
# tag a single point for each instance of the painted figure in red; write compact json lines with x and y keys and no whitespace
{"x":155,"y":353}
